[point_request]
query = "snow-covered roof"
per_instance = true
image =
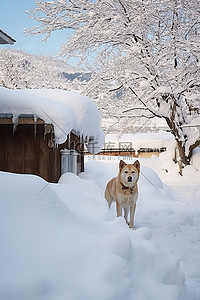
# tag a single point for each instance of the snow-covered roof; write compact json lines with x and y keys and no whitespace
{"x":138,"y":141}
{"x":66,"y":110}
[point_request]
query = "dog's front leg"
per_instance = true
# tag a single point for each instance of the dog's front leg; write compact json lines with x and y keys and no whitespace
{"x":132,"y":214}
{"x":119,"y":209}
{"x":126,"y":211}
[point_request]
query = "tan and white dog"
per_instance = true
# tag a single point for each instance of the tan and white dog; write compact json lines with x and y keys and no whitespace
{"x":123,"y":190}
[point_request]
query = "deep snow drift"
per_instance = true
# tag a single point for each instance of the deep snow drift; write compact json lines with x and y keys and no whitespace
{"x":171,"y":214}
{"x":60,"y":241}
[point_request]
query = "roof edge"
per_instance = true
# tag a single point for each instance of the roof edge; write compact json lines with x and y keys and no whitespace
{"x":5,"y":38}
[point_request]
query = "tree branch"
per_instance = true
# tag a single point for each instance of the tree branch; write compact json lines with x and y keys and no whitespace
{"x":151,"y":110}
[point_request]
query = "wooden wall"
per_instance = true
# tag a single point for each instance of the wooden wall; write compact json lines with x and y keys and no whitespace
{"x":29,"y":153}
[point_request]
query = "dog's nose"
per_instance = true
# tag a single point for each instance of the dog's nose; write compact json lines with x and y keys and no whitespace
{"x":129,"y":179}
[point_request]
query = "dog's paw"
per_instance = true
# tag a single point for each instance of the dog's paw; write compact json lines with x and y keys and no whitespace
{"x":131,"y":225}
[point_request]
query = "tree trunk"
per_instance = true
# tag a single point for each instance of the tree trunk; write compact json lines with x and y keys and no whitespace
{"x":182,"y":159}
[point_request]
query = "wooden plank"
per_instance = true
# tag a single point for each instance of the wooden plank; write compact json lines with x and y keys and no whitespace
{"x":2,"y":148}
{"x":30,"y":153}
{"x":14,"y":148}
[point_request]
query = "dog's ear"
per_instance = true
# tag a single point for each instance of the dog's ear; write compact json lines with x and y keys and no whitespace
{"x":121,"y":164}
{"x":137,"y":165}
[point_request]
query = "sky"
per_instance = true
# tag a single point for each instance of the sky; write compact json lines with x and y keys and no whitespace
{"x":14,"y":19}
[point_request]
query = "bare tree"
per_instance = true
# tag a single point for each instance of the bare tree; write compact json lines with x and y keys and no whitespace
{"x":146,"y":49}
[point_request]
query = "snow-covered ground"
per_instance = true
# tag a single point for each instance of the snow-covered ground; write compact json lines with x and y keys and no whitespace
{"x":60,"y":241}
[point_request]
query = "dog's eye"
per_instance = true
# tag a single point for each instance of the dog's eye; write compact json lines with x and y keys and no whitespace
{"x":125,"y":172}
{"x":133,"y":172}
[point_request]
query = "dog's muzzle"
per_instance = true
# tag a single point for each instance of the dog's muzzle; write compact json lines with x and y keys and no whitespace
{"x":129,"y":179}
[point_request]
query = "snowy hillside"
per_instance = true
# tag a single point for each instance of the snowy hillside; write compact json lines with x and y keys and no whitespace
{"x":60,"y":241}
{"x":22,"y":70}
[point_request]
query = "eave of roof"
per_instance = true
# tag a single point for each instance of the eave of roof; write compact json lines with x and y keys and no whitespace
{"x":22,"y":119}
{"x":5,"y":38}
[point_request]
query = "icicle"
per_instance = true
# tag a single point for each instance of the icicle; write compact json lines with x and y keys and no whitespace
{"x":51,"y":143}
{"x":56,"y":142}
{"x":15,"y":122}
{"x":54,"y":139}
{"x":35,"y":126}
{"x":47,"y":129}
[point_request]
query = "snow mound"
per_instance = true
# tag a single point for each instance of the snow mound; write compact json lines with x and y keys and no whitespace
{"x":66,"y":110}
{"x":57,"y":242}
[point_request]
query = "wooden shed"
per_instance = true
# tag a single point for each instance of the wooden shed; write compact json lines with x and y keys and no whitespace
{"x":30,"y":149}
{"x":29,"y":145}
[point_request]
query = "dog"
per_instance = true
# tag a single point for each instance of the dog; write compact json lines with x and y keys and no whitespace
{"x":124,"y":191}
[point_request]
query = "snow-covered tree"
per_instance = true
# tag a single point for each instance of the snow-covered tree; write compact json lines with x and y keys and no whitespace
{"x":23,"y":70}
{"x":146,"y":49}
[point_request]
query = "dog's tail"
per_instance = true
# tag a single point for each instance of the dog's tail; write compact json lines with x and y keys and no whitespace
{"x":108,"y":195}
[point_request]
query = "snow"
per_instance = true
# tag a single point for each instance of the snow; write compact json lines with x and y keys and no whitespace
{"x":196,"y":158}
{"x":66,"y":110}
{"x":61,"y":241}
{"x":193,"y":132}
